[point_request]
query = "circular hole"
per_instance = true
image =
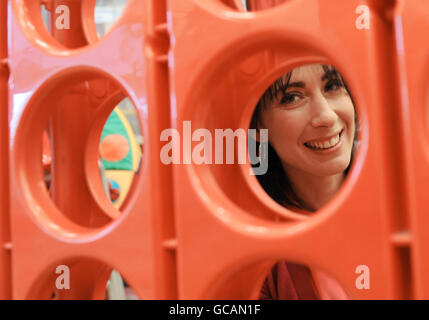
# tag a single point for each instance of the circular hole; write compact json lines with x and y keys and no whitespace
{"x":276,"y":280}
{"x":306,"y":132}
{"x":233,"y":90}
{"x":107,"y":13}
{"x":62,"y":22}
{"x":71,"y":24}
{"x":292,"y":281}
{"x":120,"y":154}
{"x":71,"y":114}
{"x":82,"y":279}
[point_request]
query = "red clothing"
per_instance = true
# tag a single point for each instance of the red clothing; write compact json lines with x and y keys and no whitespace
{"x":289,"y":281}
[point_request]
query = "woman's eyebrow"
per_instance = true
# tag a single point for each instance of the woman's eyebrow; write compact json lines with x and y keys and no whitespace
{"x":331,"y":74}
{"x":299,"y":84}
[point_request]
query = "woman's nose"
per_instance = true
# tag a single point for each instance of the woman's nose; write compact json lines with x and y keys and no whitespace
{"x":323,"y":114}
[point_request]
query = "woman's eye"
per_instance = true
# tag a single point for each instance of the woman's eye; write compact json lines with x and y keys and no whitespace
{"x":334,"y":84}
{"x":289,"y":98}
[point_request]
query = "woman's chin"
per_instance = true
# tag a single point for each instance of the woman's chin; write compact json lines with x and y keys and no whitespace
{"x":330,"y":169}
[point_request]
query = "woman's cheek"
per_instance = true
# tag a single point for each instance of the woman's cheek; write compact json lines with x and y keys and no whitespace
{"x":286,"y":130}
{"x":285,"y":127}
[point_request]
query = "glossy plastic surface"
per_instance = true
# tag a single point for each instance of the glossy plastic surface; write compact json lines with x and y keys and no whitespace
{"x":70,"y":83}
{"x":208,"y":231}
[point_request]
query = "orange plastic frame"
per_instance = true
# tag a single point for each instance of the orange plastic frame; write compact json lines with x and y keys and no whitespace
{"x":205,"y":231}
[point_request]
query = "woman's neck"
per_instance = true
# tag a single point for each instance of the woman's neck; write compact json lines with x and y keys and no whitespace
{"x":314,"y":191}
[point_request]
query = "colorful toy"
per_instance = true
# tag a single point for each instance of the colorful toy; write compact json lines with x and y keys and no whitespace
{"x":121,"y":156}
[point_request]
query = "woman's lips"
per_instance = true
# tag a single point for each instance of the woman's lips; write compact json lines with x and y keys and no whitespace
{"x":326,"y":144}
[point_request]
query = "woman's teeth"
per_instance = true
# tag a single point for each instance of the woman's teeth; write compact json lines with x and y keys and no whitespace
{"x":324,"y":144}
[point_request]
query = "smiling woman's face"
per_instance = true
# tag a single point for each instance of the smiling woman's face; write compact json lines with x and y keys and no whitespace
{"x":312,"y":126}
